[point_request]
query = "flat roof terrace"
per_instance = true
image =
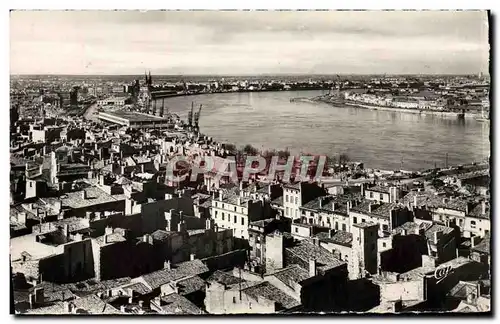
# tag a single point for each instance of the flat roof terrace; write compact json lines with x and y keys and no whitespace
{"x":129,"y":118}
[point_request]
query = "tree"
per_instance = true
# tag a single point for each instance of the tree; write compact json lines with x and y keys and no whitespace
{"x":250,"y":150}
{"x":231,"y":148}
{"x":343,"y":158}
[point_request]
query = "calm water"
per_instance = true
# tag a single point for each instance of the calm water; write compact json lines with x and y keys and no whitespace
{"x":382,"y":139}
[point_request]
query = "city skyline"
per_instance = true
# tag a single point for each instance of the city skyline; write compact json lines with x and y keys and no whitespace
{"x":249,"y":43}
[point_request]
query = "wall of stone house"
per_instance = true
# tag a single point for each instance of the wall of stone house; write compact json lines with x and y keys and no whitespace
{"x":404,"y":290}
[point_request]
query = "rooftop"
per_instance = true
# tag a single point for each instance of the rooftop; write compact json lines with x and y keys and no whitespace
{"x":133,"y":116}
{"x":270,"y":292}
{"x":306,"y":250}
{"x":177,"y":304}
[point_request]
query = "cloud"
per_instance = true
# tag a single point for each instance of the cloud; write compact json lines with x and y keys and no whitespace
{"x":248,"y":42}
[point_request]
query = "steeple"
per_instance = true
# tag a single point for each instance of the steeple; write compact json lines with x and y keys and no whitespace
{"x":150,"y":81}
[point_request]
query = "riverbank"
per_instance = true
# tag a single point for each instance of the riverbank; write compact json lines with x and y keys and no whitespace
{"x":394,"y":109}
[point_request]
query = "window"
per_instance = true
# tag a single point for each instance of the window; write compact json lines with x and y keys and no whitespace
{"x":362,"y":220}
{"x":303,"y":212}
{"x":336,"y":226}
{"x":250,"y":235}
{"x":286,"y":211}
{"x":296,"y":230}
{"x":215,"y":204}
{"x":235,"y":219}
{"x":235,"y":208}
{"x":310,"y":221}
{"x":222,"y":206}
{"x":286,"y":198}
{"x":371,"y":194}
{"x":354,"y":219}
{"x":295,"y":212}
{"x":383,"y":244}
{"x":242,"y":221}
{"x":215,"y":213}
{"x":234,"y":300}
{"x":222,"y":216}
{"x":473,"y":223}
{"x":385,"y":227}
{"x":381,"y":197}
{"x":31,"y":184}
{"x":343,"y":227}
{"x":296,"y":201}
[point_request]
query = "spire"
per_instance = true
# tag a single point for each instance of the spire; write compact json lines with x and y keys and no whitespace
{"x":150,"y":82}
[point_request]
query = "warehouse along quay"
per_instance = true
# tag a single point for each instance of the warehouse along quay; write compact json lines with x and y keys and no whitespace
{"x":234,"y":169}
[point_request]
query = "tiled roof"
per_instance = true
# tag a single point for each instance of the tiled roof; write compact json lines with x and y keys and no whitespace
{"x":138,"y":287}
{"x":270,"y":292}
{"x":278,"y":201}
{"x":177,"y":304}
{"x":382,"y":210}
{"x":483,"y":246}
{"x":435,"y":201}
{"x":429,"y":233}
{"x":291,"y":274}
{"x":110,"y":239}
{"x":161,"y":235}
{"x":224,"y":278}
{"x":90,"y":304}
{"x":189,"y":268}
{"x":190,"y":285}
{"x":381,"y":189}
{"x":339,"y":237}
{"x":95,"y":196}
{"x":306,"y":250}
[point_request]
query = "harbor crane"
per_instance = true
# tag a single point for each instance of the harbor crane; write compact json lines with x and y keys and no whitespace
{"x":197,"y":117}
{"x":190,"y":115}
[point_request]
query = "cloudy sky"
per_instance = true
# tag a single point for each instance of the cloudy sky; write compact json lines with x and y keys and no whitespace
{"x":197,"y":42}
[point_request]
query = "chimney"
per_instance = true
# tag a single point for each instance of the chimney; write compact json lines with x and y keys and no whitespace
{"x":437,"y":236}
{"x":320,"y":202}
{"x":84,"y":194}
{"x":122,"y":309}
{"x":68,"y":307}
{"x":471,"y":299}
{"x":467,"y":208}
{"x":209,"y":224}
{"x":362,"y":190}
{"x":181,"y":227}
{"x":415,"y":201}
{"x":167,"y":265}
{"x":101,"y":180}
{"x":66,"y":230}
{"x":312,"y":268}
{"x":370,"y":207}
{"x":130,"y":300}
{"x":238,"y":201}
{"x":483,"y":207}
{"x":142,"y":168}
{"x":39,"y":295}
{"x":192,"y":257}
{"x":108,"y":230}
{"x":397,"y":306}
{"x":181,"y":216}
{"x":31,"y":300}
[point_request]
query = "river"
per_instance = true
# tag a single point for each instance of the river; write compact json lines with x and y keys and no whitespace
{"x":381,"y":139}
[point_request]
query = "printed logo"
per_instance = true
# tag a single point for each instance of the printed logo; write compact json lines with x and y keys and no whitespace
{"x":442,"y":273}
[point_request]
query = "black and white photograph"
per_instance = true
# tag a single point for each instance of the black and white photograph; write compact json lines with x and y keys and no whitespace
{"x":241,"y":162}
